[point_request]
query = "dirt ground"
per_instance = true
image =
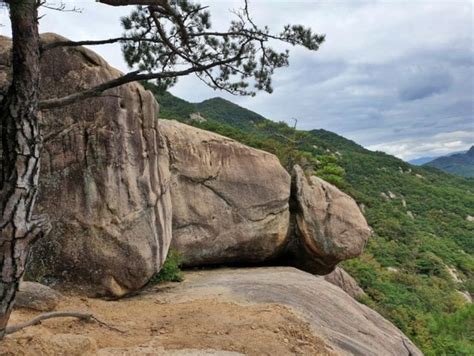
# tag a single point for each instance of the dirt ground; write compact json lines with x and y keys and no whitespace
{"x":151,"y":323}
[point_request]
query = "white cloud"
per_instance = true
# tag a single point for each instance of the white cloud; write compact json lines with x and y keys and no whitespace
{"x":436,"y":145}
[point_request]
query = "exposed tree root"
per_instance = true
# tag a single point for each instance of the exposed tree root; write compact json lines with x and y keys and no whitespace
{"x":60,"y":314}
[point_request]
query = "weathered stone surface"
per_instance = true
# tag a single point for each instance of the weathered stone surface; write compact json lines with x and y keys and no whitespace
{"x":101,"y":180}
{"x":346,"y":325}
{"x":230,"y":201}
{"x":344,"y":280}
{"x":37,"y":296}
{"x":254,"y":311}
{"x":329,"y":225}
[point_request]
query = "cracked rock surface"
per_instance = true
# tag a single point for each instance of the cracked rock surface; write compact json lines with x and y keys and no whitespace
{"x":230,"y":201}
{"x":101,"y":181}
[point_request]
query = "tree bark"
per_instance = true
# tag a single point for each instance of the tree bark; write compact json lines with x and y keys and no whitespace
{"x":19,"y":156}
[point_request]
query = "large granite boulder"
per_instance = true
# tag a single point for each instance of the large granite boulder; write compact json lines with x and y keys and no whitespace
{"x":102,"y":181}
{"x":230,"y":201}
{"x":329,"y":226}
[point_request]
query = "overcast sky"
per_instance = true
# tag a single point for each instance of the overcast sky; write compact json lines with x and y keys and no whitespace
{"x":395,"y":76}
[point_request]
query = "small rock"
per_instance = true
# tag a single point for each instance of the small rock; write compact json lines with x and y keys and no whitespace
{"x":37,"y":296}
{"x":454,"y":274}
{"x":466,"y":296}
{"x":344,"y":280}
{"x":196,"y":116}
{"x":470,"y":218}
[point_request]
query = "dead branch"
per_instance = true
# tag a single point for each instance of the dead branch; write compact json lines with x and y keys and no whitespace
{"x":61,"y":314}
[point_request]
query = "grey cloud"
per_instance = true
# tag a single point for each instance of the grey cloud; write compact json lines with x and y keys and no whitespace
{"x":402,"y":83}
{"x":424,"y":84}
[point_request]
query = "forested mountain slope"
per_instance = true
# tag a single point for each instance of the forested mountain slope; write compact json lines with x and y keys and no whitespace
{"x":461,"y":163}
{"x":418,"y":269}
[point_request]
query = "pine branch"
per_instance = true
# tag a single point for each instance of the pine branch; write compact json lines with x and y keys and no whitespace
{"x":128,"y":78}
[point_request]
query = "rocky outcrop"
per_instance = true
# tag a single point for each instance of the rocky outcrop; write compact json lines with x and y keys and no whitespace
{"x":36,"y":296}
{"x":256,"y":311}
{"x":230,"y":201}
{"x":348,"y":326}
{"x":110,"y":176}
{"x":344,"y":280}
{"x":102,"y":183}
{"x":329,"y":225}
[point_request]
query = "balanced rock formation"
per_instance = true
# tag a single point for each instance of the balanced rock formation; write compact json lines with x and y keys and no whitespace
{"x":329,"y":225}
{"x":101,"y":182}
{"x":230,"y":201}
{"x":110,"y":176}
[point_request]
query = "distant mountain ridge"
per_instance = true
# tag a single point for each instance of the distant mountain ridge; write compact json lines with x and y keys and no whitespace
{"x":214,"y":109}
{"x":426,"y":159}
{"x":422,"y":160}
{"x":460,"y":164}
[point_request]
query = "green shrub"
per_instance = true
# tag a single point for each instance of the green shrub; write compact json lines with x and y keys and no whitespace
{"x":430,"y":264}
{"x":171,"y":271}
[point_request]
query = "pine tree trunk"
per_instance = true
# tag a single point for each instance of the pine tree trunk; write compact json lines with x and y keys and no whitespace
{"x":19,"y":156}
